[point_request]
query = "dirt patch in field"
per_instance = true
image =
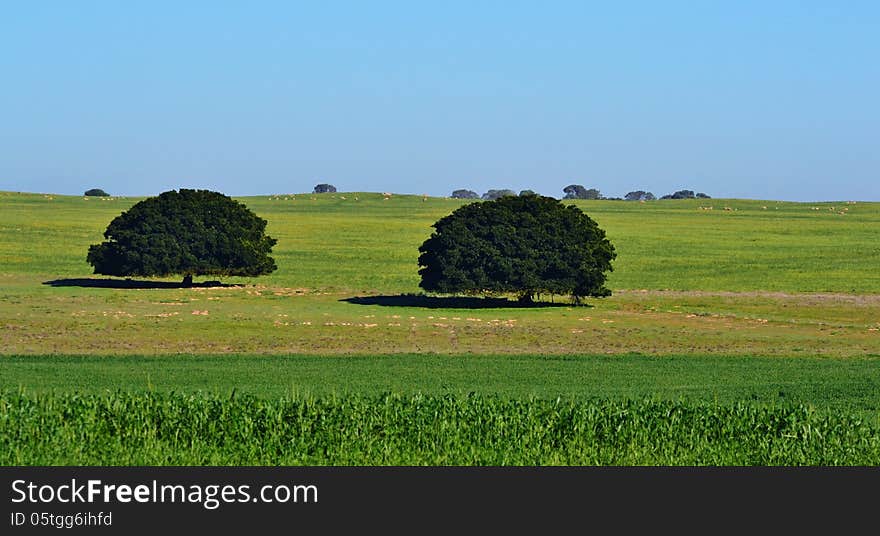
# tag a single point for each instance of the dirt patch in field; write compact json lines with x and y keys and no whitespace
{"x":802,"y":297}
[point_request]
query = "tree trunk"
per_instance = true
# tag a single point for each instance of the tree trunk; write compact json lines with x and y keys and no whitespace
{"x":187,"y":280}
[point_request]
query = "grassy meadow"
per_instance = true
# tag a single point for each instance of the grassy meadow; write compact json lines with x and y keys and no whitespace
{"x":842,"y":384}
{"x":739,"y":310}
{"x":782,"y":280}
{"x":363,"y":243}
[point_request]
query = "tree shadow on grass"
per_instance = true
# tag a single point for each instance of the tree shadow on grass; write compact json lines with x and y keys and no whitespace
{"x":452,"y":302}
{"x":88,"y":282}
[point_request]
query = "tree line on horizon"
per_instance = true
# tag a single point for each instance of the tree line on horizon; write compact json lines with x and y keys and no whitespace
{"x":577,"y":191}
{"x":572,"y":191}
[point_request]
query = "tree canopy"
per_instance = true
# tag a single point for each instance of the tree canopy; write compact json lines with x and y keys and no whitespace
{"x":324,"y":189}
{"x":189,"y":232}
{"x":576,"y":191}
{"x":639,"y":195}
{"x":96,"y":192}
{"x":524,"y":245}
{"x":495,"y":194}
{"x":685,"y":194}
{"x":464,"y":194}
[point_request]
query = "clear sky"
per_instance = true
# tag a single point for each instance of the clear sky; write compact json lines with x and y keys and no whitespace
{"x":755,"y":99}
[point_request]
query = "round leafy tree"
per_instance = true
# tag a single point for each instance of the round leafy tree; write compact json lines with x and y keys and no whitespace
{"x":525,"y":245}
{"x":189,"y":232}
{"x":96,"y":192}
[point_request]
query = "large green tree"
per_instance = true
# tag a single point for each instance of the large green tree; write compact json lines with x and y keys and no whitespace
{"x":525,"y":245}
{"x":188,"y":232}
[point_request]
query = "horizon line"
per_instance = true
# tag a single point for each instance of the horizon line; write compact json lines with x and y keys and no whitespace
{"x":354,"y":192}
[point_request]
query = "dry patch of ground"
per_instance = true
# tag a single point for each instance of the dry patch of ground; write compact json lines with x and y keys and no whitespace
{"x":263,"y":319}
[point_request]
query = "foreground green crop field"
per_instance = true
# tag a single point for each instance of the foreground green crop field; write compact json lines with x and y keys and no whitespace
{"x":153,"y":429}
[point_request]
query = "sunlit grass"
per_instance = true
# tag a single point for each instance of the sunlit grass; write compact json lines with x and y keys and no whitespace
{"x":331,"y":249}
{"x":846,"y":384}
{"x":372,"y":243}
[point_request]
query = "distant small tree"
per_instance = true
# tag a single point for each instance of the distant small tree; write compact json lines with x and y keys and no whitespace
{"x":639,"y":195}
{"x":189,"y":232}
{"x":491,"y":195}
{"x":96,"y":192}
{"x":576,"y":191}
{"x":324,"y":189}
{"x":681,"y":194}
{"x":701,"y":195}
{"x":527,"y":192}
{"x":465,"y":194}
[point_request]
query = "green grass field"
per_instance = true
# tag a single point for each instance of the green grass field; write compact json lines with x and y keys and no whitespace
{"x":360,"y":242}
{"x":765,"y":307}
{"x":842,"y":384}
{"x":785,"y":280}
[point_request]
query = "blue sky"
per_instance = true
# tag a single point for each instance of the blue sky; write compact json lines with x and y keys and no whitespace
{"x":752,"y":99}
